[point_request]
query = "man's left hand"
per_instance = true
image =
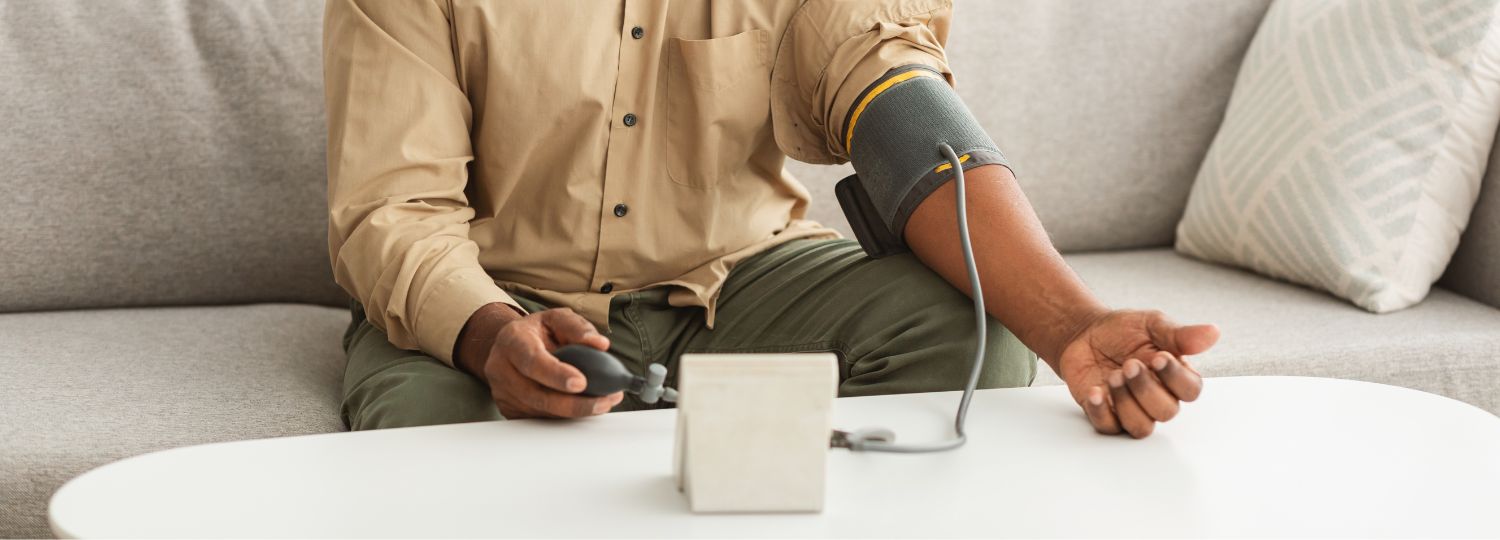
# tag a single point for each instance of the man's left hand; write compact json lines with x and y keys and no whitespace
{"x":1128,"y":369}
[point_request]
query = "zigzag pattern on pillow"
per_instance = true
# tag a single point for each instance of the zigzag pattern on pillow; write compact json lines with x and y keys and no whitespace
{"x":1352,"y":150}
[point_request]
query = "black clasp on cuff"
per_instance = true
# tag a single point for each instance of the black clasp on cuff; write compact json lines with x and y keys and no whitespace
{"x":877,"y":240}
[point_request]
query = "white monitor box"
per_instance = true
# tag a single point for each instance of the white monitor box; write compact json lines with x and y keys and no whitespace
{"x":753,"y":431}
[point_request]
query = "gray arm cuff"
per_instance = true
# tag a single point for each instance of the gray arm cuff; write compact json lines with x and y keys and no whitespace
{"x":894,"y":149}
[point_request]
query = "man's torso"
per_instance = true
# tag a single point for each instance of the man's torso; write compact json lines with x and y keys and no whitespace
{"x":608,"y":158}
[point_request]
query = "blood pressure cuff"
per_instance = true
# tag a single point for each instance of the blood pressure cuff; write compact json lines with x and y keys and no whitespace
{"x":892,"y":134}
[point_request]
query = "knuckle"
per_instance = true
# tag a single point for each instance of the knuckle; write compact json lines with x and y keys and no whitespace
{"x":523,"y":362}
{"x":514,"y":333}
{"x":581,"y":327}
{"x":572,"y":330}
{"x":566,"y":320}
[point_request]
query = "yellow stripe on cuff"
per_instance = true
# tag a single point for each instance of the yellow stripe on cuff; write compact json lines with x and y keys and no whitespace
{"x":853,"y":118}
{"x":961,"y":160}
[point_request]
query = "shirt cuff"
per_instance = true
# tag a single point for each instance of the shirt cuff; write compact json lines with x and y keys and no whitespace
{"x":449,"y":305}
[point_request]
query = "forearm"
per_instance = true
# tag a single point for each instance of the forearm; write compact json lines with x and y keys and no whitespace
{"x":892,"y":135}
{"x":1027,"y":286}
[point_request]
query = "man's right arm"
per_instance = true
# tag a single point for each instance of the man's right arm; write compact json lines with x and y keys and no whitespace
{"x":398,"y":152}
{"x":398,"y":155}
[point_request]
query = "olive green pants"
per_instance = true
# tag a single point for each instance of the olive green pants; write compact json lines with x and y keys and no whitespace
{"x":895,"y":326}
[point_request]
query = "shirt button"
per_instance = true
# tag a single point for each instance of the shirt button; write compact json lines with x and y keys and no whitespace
{"x":629,"y":119}
{"x":607,"y":287}
{"x":638,"y":32}
{"x":621,"y":210}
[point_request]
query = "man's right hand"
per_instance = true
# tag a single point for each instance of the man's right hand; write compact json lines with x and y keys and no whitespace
{"x":513,"y":354}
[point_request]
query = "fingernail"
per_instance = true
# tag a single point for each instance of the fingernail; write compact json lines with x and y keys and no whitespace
{"x":576,"y":384}
{"x":1095,"y":398}
{"x":1159,"y":363}
{"x":1132,"y":369}
{"x":1116,"y":380}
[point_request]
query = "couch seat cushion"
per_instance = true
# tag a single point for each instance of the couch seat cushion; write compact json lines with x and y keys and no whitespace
{"x":84,"y":388}
{"x":1448,"y":344}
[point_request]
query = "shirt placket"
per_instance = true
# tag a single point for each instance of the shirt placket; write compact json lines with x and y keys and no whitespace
{"x":627,"y":138}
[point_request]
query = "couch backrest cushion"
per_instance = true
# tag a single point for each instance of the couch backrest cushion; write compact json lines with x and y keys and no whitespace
{"x":1105,"y":109}
{"x":1475,"y":268}
{"x":161,"y":152}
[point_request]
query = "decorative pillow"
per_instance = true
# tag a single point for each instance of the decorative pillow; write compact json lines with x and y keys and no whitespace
{"x":1353,"y":147}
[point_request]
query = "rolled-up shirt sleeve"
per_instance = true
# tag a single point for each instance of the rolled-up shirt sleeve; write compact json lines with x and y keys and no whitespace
{"x":832,"y":51}
{"x":398,"y":153}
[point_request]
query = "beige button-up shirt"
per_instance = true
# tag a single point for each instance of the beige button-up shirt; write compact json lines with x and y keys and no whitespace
{"x":576,"y":149}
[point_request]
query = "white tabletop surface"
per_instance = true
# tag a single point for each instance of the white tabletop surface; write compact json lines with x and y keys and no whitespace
{"x":1256,"y":456}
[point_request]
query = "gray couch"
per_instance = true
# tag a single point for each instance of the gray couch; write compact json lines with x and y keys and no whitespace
{"x":164,"y":279}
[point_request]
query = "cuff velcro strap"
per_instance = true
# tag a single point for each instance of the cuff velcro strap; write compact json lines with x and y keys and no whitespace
{"x":893,"y":134}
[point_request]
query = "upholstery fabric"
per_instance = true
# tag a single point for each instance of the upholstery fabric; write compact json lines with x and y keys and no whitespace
{"x":161,"y":152}
{"x":1448,"y":345}
{"x":1105,"y":109}
{"x":83,"y":388}
{"x":1352,"y":151}
{"x":1475,"y":268}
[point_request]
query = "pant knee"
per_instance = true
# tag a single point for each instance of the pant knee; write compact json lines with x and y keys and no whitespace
{"x":1007,"y":362}
{"x":417,"y":393}
{"x":936,"y":353}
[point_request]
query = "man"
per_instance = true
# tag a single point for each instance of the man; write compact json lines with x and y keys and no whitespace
{"x":509,"y":177}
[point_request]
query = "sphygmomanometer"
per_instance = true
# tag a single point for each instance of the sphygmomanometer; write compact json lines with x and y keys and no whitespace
{"x":907,"y":134}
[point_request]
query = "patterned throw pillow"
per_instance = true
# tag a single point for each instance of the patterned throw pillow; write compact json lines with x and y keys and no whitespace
{"x":1353,"y":147}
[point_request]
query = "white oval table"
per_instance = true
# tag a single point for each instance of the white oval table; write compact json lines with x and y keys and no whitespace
{"x":1256,"y":456}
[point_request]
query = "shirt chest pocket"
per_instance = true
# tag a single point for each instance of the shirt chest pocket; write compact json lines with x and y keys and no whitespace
{"x":718,"y":101}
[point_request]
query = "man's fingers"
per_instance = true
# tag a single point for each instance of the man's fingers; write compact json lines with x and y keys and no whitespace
{"x":1132,"y":418}
{"x":1149,"y":393}
{"x":1096,"y":406}
{"x":1194,"y":339}
{"x":1180,"y":340}
{"x":568,"y":327}
{"x":573,"y":405}
{"x":1178,"y":376}
{"x":537,"y":364}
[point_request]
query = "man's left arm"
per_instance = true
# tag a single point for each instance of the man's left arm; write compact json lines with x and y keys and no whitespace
{"x":869,"y":82}
{"x":1125,"y":368}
